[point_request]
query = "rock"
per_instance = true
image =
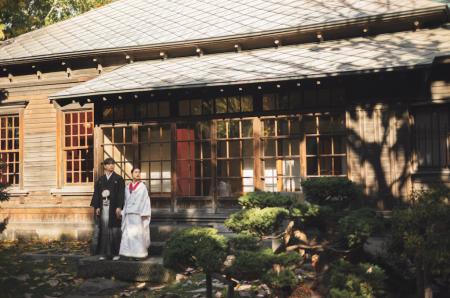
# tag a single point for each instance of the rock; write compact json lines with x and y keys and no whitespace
{"x":101,"y":286}
{"x":53,"y":282}
{"x":245,"y":294}
{"x":28,"y":295}
{"x":201,"y":290}
{"x":244,"y":287}
{"x":22,"y":277}
{"x":218,"y":295}
{"x":169,"y":295}
{"x":218,"y":285}
{"x":180,"y":277}
{"x":141,"y":285}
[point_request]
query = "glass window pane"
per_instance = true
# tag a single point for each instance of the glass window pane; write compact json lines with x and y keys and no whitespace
{"x":269,"y":103}
{"x":155,"y":170}
{"x":233,"y":127}
{"x":325,"y":145}
{"x":247,"y":148}
{"x":268,"y":128}
{"x":269,"y":147}
{"x":234,"y":105}
{"x":221,"y":105}
{"x":221,"y":129}
{"x":247,"y":103}
{"x":196,"y":107}
{"x":234,"y":148}
{"x":152,"y":110}
{"x":309,"y":123}
{"x":295,"y":147}
{"x":164,"y":109}
{"x":311,"y":166}
{"x":183,"y":108}
{"x":326,"y":166}
{"x":283,"y":103}
{"x":247,"y":128}
{"x":283,"y":147}
{"x":311,"y":146}
{"x":339,"y":145}
{"x":221,"y":148}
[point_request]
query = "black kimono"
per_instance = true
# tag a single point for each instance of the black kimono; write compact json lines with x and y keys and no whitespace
{"x":107,"y":226}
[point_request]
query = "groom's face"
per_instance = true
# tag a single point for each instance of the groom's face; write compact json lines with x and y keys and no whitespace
{"x":109,"y":167}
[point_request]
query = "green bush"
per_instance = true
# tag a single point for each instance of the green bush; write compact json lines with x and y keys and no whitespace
{"x":256,"y":221}
{"x":287,"y":259}
{"x":304,"y":211}
{"x":250,"y":265}
{"x":334,"y":191}
{"x":244,"y":242}
{"x":359,"y":225}
{"x":362,"y":280}
{"x":285,"y":279}
{"x":420,"y":233}
{"x":195,"y":247}
{"x":262,"y":199}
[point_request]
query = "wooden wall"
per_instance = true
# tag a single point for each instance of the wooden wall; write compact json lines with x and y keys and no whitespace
{"x":35,"y":210}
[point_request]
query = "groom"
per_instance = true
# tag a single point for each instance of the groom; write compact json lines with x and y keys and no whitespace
{"x":108,"y":200}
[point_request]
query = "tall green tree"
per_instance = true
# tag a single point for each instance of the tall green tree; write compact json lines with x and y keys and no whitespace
{"x":20,"y":16}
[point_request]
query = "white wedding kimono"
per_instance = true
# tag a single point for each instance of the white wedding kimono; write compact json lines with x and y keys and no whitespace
{"x":136,"y":230}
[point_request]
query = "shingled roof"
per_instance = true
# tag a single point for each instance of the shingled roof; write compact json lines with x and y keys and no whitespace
{"x":126,"y":24}
{"x":388,"y":51}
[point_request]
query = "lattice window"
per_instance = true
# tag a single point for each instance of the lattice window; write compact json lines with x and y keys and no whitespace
{"x":325,"y":145}
{"x":9,"y":149}
{"x":78,"y":147}
{"x":281,"y":154}
{"x":193,"y":165}
{"x":118,"y":144}
{"x":155,"y":157}
{"x":432,"y":137}
{"x":234,"y":157}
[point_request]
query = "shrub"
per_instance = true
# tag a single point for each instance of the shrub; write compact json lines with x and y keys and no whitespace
{"x":285,"y":279}
{"x":333,"y":191}
{"x":244,"y":242}
{"x":251,"y":265}
{"x":304,"y":211}
{"x":287,"y":259}
{"x":359,"y":225}
{"x":361,"y":280}
{"x":420,"y":232}
{"x":262,"y":199}
{"x":256,"y":221}
{"x":195,"y":247}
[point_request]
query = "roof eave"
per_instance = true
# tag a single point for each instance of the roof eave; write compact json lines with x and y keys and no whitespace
{"x":241,"y":82}
{"x":442,"y":10}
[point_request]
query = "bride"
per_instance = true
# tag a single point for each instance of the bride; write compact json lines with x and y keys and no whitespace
{"x":136,"y":219}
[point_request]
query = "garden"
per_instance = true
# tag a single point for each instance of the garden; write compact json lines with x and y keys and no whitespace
{"x":331,"y":244}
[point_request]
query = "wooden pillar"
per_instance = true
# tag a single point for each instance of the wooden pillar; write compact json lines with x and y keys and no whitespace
{"x":173,"y":164}
{"x":214,"y":166}
{"x":257,"y":165}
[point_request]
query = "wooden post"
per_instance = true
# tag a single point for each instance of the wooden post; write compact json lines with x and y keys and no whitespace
{"x":257,"y":167}
{"x":173,"y":154}
{"x":214,"y":166}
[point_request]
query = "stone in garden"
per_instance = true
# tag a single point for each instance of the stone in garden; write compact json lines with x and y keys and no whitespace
{"x":218,"y":295}
{"x":101,"y":286}
{"x":53,"y":282}
{"x":169,"y":295}
{"x":22,"y":277}
{"x":180,"y":277}
{"x":201,"y":290}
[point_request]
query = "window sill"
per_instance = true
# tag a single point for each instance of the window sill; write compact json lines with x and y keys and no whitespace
{"x":73,"y":190}
{"x":16,"y":192}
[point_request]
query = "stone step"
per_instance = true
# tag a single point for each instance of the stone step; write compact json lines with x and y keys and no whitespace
{"x":149,"y":270}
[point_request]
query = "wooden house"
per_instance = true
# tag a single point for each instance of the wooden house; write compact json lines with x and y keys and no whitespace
{"x":212,"y":99}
